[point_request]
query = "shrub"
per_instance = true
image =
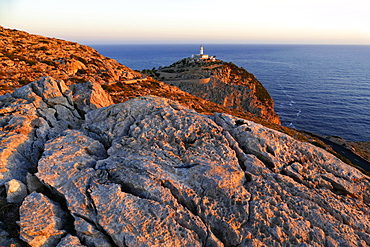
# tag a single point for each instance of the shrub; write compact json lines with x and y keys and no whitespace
{"x":24,"y":81}
{"x":81,"y":71}
{"x":82,"y":60}
{"x":77,"y":80}
{"x":49,"y":62}
{"x":263,"y":95}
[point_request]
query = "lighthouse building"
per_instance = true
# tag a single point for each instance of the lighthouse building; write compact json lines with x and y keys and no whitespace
{"x":202,"y":56}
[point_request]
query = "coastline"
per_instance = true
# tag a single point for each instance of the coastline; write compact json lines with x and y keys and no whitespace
{"x":284,"y":70}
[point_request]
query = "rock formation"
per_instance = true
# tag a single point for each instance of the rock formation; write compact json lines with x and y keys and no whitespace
{"x":78,"y":170}
{"x":222,"y":83}
{"x":151,"y":172}
{"x":26,"y":57}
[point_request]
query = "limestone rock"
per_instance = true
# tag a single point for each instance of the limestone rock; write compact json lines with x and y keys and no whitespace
{"x":67,"y":165}
{"x":90,"y":233}
{"x":73,"y":66}
{"x":132,"y":221}
{"x":288,"y":203}
{"x":222,"y":83}
{"x":26,"y":58}
{"x":90,"y":96}
{"x":16,"y":191}
{"x":41,"y":221}
{"x":17,"y":134}
{"x":34,"y":113}
{"x":5,"y":239}
{"x":178,"y":146}
{"x":30,"y":116}
{"x":33,"y":183}
{"x":153,"y":172}
{"x":70,"y":241}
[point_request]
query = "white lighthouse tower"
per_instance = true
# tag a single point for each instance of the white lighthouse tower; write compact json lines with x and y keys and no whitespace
{"x":202,"y":57}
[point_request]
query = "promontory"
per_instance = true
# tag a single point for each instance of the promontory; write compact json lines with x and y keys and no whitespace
{"x":93,"y":153}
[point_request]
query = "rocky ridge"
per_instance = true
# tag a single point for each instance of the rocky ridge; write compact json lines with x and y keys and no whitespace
{"x":78,"y":170}
{"x":150,"y":172}
{"x":222,"y":83}
{"x":27,"y":57}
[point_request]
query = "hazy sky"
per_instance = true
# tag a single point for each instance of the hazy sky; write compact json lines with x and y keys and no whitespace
{"x":193,"y":21}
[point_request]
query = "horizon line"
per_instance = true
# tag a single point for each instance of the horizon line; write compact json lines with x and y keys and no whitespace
{"x":321,"y":44}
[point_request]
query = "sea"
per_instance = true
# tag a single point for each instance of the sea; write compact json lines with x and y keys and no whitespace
{"x":324,"y":89}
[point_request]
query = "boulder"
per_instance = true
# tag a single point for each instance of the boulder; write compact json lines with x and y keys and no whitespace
{"x":33,"y":183}
{"x":288,"y":205}
{"x":70,"y":241}
{"x":16,"y":191}
{"x":151,"y":172}
{"x":36,"y":112}
{"x":41,"y":221}
{"x":90,"y":96}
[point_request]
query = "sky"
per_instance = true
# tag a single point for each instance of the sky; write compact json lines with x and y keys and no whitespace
{"x":193,"y":21}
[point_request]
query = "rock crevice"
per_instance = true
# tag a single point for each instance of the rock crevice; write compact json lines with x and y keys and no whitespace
{"x":150,"y":172}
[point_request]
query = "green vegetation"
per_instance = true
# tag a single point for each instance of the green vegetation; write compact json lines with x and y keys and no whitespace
{"x":169,"y":70}
{"x":9,"y":55}
{"x":240,"y":71}
{"x":263,"y":95}
{"x":152,"y":73}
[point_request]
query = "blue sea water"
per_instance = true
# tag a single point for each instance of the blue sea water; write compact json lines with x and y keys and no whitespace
{"x":323,"y":89}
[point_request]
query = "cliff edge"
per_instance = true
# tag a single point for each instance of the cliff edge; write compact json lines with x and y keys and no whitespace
{"x":25,"y":58}
{"x":151,"y":172}
{"x":222,"y":83}
{"x":92,"y":164}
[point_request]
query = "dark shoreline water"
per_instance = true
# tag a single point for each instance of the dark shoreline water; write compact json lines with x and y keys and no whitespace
{"x":324,"y":89}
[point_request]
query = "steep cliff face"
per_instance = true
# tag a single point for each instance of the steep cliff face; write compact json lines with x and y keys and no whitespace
{"x":222,"y":83}
{"x":78,"y":170}
{"x":151,"y":172}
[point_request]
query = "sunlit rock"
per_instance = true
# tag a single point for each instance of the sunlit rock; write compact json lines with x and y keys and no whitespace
{"x":41,"y":221}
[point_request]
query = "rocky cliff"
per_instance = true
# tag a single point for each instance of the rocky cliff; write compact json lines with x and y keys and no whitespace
{"x":26,"y":57}
{"x":76,"y":169}
{"x":82,"y":171}
{"x":222,"y":83}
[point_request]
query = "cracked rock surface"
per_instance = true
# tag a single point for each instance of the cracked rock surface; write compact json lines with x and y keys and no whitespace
{"x":150,"y":172}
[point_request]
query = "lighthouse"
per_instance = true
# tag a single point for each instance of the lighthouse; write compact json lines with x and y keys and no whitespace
{"x":202,"y":57}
